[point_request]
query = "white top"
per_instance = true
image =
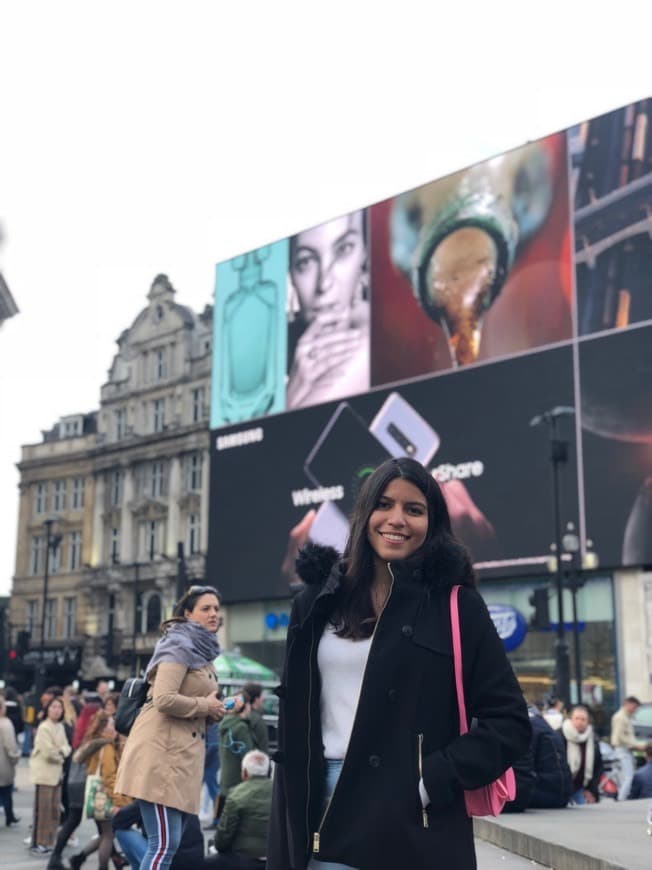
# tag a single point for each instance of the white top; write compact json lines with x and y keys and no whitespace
{"x":341,"y":663}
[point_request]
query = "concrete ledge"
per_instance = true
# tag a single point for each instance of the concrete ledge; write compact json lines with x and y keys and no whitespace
{"x":604,"y":836}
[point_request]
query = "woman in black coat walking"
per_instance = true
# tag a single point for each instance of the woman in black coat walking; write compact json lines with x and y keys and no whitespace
{"x":371,"y":767}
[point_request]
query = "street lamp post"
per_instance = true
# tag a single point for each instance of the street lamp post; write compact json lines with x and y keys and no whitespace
{"x":558,"y":457}
{"x":51,"y":544}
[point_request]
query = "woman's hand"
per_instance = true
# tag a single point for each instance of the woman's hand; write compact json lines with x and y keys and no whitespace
{"x":324,"y":349}
{"x":216,"y":709}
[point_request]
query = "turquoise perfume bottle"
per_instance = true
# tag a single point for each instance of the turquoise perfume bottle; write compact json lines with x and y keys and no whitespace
{"x":250,"y":346}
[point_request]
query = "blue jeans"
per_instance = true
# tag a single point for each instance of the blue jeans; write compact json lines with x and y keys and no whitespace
{"x":133,"y":845}
{"x":578,"y":797}
{"x":164,"y":826}
{"x":333,"y":769}
{"x":211,"y":769}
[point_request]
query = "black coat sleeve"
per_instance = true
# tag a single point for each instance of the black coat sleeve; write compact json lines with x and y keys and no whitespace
{"x":494,"y":698}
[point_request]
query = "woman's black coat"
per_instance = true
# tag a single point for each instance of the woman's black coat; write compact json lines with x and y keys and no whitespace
{"x":374,"y":820}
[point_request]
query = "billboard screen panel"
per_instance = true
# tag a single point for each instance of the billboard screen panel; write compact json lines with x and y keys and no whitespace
{"x":439,"y":324}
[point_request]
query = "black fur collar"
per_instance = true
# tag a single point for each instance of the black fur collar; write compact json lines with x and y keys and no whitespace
{"x":443,"y":563}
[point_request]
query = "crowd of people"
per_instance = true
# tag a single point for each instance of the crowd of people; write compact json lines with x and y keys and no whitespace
{"x":567,"y":763}
{"x":72,"y":740}
{"x":371,"y":726}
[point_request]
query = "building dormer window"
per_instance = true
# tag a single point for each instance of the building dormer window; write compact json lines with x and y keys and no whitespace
{"x":158,"y":415}
{"x":120,"y":420}
{"x":161,"y":363}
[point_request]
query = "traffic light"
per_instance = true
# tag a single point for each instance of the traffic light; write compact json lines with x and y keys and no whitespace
{"x":539,"y":600}
{"x":22,"y":642}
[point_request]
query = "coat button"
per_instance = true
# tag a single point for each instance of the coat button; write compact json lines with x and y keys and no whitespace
{"x":194,"y":733}
{"x":407,"y":631}
{"x":374,"y":761}
{"x":392,"y":695}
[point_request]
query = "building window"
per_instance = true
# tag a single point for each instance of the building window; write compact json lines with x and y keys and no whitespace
{"x":41,"y":498}
{"x":69,"y":617}
{"x":114,"y":545}
{"x":194,"y":529}
{"x":32,"y":617}
{"x":115,"y":490}
{"x":77,"y":493}
{"x":197,"y":404}
{"x":145,"y":367}
{"x":74,"y":551}
{"x":161,"y":363}
{"x":59,"y":496}
{"x":50,"y":618}
{"x":151,"y":539}
{"x":153,"y":614}
{"x":156,"y":479}
{"x":37,"y":549}
{"x":193,"y":465}
{"x":120,"y":419}
{"x":158,"y":415}
{"x":55,"y":559}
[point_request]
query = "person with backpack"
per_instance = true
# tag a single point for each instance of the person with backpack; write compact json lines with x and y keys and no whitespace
{"x":162,"y":763}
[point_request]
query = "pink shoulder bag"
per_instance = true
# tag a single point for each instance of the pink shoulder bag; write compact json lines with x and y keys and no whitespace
{"x":488,"y":800}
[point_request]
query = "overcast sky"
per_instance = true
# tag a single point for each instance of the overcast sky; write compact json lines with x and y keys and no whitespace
{"x":146,"y":137}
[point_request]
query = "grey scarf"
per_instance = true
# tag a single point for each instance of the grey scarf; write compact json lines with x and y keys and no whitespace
{"x":185,"y":643}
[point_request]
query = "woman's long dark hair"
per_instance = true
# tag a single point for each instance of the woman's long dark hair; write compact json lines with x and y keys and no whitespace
{"x":355,"y":616}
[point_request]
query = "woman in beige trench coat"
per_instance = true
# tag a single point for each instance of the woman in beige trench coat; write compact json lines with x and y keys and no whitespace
{"x":163,"y":760}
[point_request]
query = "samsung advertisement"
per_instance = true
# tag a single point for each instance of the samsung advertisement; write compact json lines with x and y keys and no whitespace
{"x":462,"y":323}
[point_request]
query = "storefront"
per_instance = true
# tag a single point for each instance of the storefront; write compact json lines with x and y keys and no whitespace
{"x":532,"y":650}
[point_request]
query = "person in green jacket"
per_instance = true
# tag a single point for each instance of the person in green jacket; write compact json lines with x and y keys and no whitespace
{"x":256,"y":720}
{"x":236,"y":739}
{"x":241,"y":837}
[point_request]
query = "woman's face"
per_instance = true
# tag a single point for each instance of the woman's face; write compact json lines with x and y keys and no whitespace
{"x":206,"y":612}
{"x":327,"y":264}
{"x":55,"y":710}
{"x":398,"y":525}
{"x":109,"y":706}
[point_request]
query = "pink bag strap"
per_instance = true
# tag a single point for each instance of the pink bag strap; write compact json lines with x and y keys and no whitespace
{"x":457,"y":658}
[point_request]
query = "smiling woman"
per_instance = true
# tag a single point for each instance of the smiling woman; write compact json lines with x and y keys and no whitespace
{"x":372,"y":767}
{"x":163,"y":761}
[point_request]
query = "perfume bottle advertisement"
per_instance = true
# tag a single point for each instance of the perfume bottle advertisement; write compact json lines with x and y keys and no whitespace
{"x":612,"y":191}
{"x":472,"y":267}
{"x":329,"y":302}
{"x":293,"y":477}
{"x":616,"y":379}
{"x":250,"y":338}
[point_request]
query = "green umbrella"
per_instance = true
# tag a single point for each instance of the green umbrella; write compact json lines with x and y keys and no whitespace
{"x":232,"y":667}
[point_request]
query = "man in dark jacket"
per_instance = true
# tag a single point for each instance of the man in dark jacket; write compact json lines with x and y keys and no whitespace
{"x":543,"y":778}
{"x":642,"y":782}
{"x":241,"y":837}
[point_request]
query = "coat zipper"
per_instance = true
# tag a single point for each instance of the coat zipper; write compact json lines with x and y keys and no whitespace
{"x":424,"y":814}
{"x":316,"y":835}
{"x":312,"y":645}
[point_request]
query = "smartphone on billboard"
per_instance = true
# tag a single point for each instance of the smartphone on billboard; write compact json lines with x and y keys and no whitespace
{"x":330,"y":527}
{"x":403,"y":431}
{"x":345,"y":454}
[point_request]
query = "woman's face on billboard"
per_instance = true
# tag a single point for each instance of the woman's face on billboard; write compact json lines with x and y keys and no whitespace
{"x":327,"y":263}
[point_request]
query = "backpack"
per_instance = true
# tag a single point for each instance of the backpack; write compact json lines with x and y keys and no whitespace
{"x":132,"y":698}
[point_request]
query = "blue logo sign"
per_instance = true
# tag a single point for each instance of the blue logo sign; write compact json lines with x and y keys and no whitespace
{"x":510,"y":625}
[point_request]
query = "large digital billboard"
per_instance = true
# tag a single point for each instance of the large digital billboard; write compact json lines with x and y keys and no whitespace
{"x":445,"y":324}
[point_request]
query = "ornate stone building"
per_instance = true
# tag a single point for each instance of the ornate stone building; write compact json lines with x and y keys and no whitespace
{"x":147,"y":487}
{"x":56,"y":489}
